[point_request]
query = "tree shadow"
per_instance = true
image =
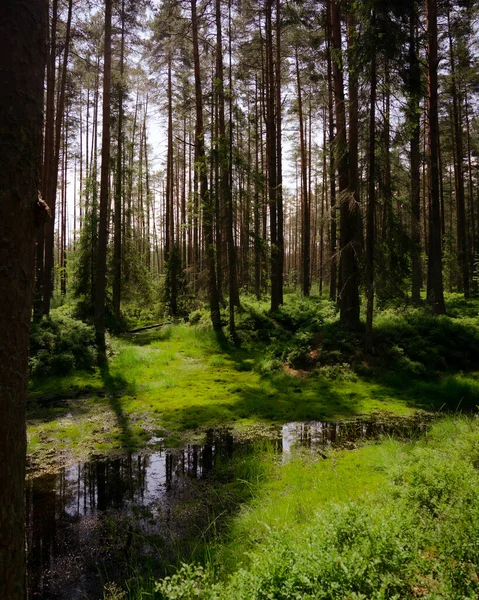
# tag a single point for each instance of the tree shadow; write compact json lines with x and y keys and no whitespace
{"x":115,"y":385}
{"x":451,"y":393}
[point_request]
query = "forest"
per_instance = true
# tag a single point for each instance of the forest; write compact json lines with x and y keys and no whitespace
{"x":239,"y":299}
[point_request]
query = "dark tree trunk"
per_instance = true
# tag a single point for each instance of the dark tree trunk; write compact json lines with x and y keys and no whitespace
{"x":201,"y":163}
{"x":170,"y":247}
{"x":104,"y":192}
{"x":370,"y":217}
{"x":306,"y":220}
{"x":333,"y":274}
{"x":459,"y":167}
{"x":271,"y":154}
{"x":435,"y":291}
{"x":414,"y":118}
{"x":279,"y":152}
{"x":23,"y":33}
{"x":225,"y":164}
{"x":53,"y":176}
{"x":117,"y":218}
{"x":349,"y":209}
{"x":48,"y":158}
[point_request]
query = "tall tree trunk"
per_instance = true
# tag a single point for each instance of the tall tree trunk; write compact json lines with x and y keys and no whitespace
{"x":370,"y":218}
{"x":333,"y":273}
{"x":353,"y":130}
{"x":23,"y":33}
{"x":435,"y":290}
{"x":305,"y":204}
{"x":460,"y":195}
{"x":201,"y":163}
{"x":414,"y":118}
{"x":225,"y":164}
{"x":170,"y":249}
{"x":349,"y":210}
{"x":279,"y":153}
{"x":104,"y":195}
{"x":271,"y":154}
{"x":48,"y":158}
{"x":258,"y":259}
{"x":53,"y":176}
{"x":117,"y":219}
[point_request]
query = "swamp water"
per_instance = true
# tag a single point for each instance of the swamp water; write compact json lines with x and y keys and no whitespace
{"x":101,"y":520}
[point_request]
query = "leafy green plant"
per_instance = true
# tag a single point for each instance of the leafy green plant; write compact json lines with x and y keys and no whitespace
{"x":60,"y":344}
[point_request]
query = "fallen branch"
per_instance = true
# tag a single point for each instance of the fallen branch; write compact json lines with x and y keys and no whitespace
{"x":148,"y":327}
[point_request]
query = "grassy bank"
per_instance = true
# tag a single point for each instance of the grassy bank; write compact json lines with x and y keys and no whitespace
{"x":389,"y":520}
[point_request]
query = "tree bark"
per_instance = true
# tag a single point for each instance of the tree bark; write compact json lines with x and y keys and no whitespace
{"x":205,"y":196}
{"x":414,"y":118}
{"x":459,"y":167}
{"x":305,"y":204}
{"x":53,"y":176}
{"x":23,"y":32}
{"x":333,"y":273}
{"x":370,"y":217}
{"x":435,"y":290}
{"x":104,"y":192}
{"x":117,"y":218}
{"x":349,"y":209}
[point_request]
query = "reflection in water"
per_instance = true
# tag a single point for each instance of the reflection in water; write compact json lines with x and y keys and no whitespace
{"x":86,"y":523}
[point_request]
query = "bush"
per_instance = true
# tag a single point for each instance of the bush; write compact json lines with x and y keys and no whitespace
{"x":59,"y":345}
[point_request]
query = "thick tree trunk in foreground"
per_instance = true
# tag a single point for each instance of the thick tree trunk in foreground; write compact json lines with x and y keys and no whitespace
{"x":22,"y":56}
{"x":435,"y":291}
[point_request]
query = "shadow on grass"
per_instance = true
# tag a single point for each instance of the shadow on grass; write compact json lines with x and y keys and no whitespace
{"x":115,"y":385}
{"x":451,"y":393}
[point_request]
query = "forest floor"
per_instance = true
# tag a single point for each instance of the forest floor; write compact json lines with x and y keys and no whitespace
{"x":390,"y":519}
{"x":169,"y":384}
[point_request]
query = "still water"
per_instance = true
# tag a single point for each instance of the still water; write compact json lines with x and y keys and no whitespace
{"x":94,"y":522}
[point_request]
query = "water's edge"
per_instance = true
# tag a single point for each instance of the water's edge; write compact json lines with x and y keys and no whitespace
{"x":89,"y":521}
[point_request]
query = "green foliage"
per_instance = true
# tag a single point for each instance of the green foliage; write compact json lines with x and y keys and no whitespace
{"x":413,"y":340}
{"x":60,"y":344}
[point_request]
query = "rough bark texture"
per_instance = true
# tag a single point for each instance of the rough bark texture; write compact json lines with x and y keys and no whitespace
{"x":371,"y":212}
{"x":414,"y":117}
{"x":332,"y":167}
{"x":459,"y":167}
{"x":306,"y":221}
{"x":201,"y":169}
{"x":349,"y":209}
{"x":104,"y":189}
{"x":272,"y":158}
{"x":22,"y":57}
{"x":53,"y":175}
{"x":435,"y":291}
{"x":117,"y":219}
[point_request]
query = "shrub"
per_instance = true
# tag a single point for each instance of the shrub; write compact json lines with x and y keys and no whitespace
{"x":59,"y":345}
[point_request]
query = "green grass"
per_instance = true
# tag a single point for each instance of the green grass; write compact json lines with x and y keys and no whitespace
{"x":179,"y":378}
{"x":390,"y":520}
